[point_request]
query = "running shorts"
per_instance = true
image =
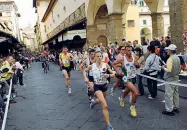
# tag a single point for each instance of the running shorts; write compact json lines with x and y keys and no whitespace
{"x":68,"y":69}
{"x":102,"y":88}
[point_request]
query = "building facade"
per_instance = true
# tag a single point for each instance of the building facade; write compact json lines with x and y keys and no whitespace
{"x":9,"y":18}
{"x":104,"y":21}
{"x":41,"y":36}
{"x":146,"y":20}
{"x":29,"y":38}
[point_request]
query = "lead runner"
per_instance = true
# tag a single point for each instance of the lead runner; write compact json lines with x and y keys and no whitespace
{"x":100,"y":76}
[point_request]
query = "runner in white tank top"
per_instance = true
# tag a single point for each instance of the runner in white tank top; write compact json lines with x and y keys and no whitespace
{"x":100,"y":76}
{"x":87,"y":62}
{"x":129,"y":75}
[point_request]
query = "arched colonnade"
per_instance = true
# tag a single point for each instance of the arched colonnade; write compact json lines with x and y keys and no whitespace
{"x":104,"y":18}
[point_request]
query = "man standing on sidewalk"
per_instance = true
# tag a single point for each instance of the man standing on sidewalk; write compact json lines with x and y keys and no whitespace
{"x":172,"y":71}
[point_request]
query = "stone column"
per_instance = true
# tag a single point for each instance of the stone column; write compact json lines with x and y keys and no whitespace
{"x":178,"y":21}
{"x":91,"y":39}
{"x":115,"y":28}
{"x":157,"y":25}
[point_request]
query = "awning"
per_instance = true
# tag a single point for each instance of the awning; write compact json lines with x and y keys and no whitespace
{"x":9,"y":37}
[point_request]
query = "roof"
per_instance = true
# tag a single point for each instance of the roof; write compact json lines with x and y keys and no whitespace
{"x":56,"y":35}
{"x":49,"y":8}
{"x":9,"y":36}
{"x":12,"y":2}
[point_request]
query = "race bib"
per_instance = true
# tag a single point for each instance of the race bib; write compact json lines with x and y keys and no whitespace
{"x":131,"y":72}
{"x":65,"y":61}
{"x":98,"y":78}
{"x":124,"y":79}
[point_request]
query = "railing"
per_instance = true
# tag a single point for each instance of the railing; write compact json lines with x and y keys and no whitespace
{"x":7,"y":107}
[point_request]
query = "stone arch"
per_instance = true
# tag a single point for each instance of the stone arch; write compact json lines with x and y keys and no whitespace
{"x":155,"y":6}
{"x":102,"y":39}
{"x":99,"y":24}
{"x":77,"y":37}
{"x":145,"y":34}
{"x":92,"y":9}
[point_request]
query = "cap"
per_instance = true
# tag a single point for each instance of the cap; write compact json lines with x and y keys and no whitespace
{"x":171,"y":47}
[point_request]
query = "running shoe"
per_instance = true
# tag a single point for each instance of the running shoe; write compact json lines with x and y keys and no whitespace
{"x":110,"y":127}
{"x":69,"y":90}
{"x":133,"y":111}
{"x":121,"y":101}
{"x":112,"y":92}
{"x":151,"y":98}
{"x":92,"y":104}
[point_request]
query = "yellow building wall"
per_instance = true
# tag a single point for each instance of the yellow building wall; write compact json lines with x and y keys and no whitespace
{"x":132,"y":33}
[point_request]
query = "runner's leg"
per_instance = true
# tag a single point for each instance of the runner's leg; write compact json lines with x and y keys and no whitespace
{"x":115,"y":85}
{"x":133,"y":90}
{"x":91,"y":85}
{"x":67,"y":79}
{"x":102,"y":101}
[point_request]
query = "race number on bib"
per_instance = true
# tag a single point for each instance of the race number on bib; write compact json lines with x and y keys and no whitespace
{"x":65,"y":61}
{"x":124,"y":79}
{"x":99,"y":80}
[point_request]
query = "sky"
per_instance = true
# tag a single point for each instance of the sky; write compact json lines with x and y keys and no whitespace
{"x":28,"y":16}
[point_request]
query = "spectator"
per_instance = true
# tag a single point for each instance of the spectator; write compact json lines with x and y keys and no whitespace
{"x":168,"y":41}
{"x":19,"y":73}
{"x":144,"y":46}
{"x":141,"y":62}
{"x":172,"y":71}
{"x":152,"y":66}
{"x":7,"y":64}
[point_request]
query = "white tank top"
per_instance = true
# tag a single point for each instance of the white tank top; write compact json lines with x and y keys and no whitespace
{"x":98,"y":73}
{"x":130,"y":67}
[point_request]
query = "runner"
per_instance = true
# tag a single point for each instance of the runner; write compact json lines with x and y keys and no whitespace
{"x":118,"y":78}
{"x":87,"y":62}
{"x":100,"y":76}
{"x":64,"y":59}
{"x":129,"y":77}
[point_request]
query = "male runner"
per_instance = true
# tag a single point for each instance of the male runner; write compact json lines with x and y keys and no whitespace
{"x":100,"y":76}
{"x":85,"y":63}
{"x":65,"y":59}
{"x":118,"y":78}
{"x":129,"y":77}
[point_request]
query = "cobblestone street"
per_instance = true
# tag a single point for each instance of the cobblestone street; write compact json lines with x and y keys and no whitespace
{"x":48,"y":107}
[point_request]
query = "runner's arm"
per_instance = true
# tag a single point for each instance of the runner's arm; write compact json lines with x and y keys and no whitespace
{"x":116,"y":64}
{"x":112,"y":75}
{"x":85,"y":70}
{"x":71,"y":56}
{"x":60,"y":61}
{"x":82,"y":65}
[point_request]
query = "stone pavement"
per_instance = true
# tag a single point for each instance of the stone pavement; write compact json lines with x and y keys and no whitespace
{"x":48,"y":107}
